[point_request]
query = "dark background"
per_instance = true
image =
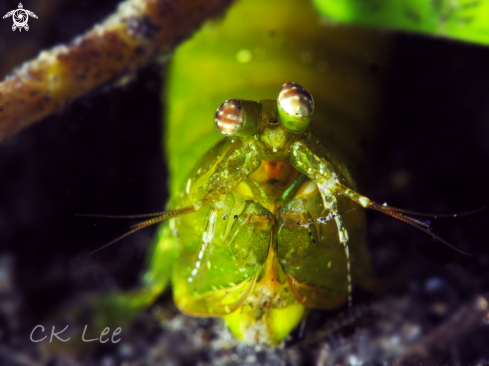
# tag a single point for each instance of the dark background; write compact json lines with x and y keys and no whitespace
{"x":102,"y":154}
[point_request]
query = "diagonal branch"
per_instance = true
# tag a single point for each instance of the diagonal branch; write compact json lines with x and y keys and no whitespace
{"x":126,"y":40}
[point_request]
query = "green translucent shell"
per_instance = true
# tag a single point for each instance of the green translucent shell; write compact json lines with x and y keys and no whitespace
{"x":227,"y":249}
{"x":215,"y":278}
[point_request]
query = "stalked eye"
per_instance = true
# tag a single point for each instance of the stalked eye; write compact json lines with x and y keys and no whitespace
{"x":236,"y":117}
{"x":295,"y":107}
{"x":229,"y":117}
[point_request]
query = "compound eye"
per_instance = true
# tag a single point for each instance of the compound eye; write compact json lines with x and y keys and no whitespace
{"x":237,"y":117}
{"x":229,"y":117}
{"x":295,"y":107}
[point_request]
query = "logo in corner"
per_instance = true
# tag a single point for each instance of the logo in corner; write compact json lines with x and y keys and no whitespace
{"x":20,"y":17}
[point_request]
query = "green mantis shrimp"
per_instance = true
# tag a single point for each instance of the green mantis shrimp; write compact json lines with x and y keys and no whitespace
{"x":271,"y":225}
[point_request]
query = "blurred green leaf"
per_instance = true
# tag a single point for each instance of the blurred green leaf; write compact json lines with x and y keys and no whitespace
{"x":466,"y":20}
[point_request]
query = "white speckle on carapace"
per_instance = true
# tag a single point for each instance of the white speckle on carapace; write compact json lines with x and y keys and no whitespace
{"x":364,"y":201}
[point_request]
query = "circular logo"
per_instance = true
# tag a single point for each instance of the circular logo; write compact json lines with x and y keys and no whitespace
{"x":20,"y":18}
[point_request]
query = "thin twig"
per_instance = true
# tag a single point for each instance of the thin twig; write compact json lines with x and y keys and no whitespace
{"x":126,"y":40}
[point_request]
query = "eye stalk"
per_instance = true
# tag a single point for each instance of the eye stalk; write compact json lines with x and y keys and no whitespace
{"x":295,"y":107}
{"x":236,"y":117}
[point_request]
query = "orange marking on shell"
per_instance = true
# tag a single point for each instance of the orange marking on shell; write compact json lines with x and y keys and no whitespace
{"x":278,"y":171}
{"x":272,"y":168}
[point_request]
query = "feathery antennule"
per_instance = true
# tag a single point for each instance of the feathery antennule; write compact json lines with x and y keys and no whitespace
{"x":166,"y":215}
{"x":400,"y":214}
{"x":416,"y":223}
{"x":423,"y":214}
{"x":137,"y":216}
{"x":137,"y":228}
